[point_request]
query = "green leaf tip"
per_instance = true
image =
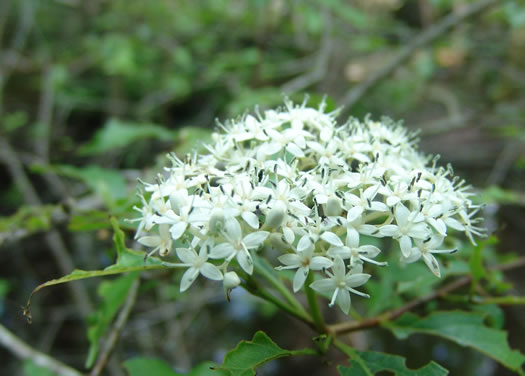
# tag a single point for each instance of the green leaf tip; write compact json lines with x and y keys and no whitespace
{"x":128,"y":260}
{"x":249,"y":355}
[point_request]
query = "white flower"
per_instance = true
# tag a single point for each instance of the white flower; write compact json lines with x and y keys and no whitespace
{"x":316,"y":187}
{"x":198,"y":264}
{"x":365,"y":201}
{"x":354,"y":252}
{"x":399,"y":193}
{"x":303,"y":261}
{"x":146,"y":222}
{"x":238,"y":246}
{"x":161,"y":242}
{"x":426,"y":249}
{"x":188,"y":215}
{"x":409,"y":225}
{"x":339,"y":285}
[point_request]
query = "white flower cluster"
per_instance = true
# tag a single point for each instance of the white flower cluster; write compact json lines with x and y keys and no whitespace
{"x":296,"y":180}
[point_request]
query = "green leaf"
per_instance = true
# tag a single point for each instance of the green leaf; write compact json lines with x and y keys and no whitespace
{"x":117,"y":134}
{"x":127,"y":261}
{"x":464,"y":328}
{"x":205,"y":369}
{"x":371,"y":362}
{"x":248,"y":355}
{"x":476,"y":262}
{"x":498,"y":195}
{"x":91,"y":220}
{"x":148,"y":367}
{"x":157,"y":367}
{"x":493,"y":313}
{"x":113,"y":294}
{"x":382,"y":294}
{"x":31,"y":369}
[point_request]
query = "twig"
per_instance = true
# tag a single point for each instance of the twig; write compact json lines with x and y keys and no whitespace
{"x":45,"y":112}
{"x":317,"y":74}
{"x":25,"y":23}
{"x":114,"y":335}
{"x":511,"y":151}
{"x":347,"y":327}
{"x":433,"y":32}
{"x":23,"y":351}
{"x":4,"y":11}
{"x":53,"y":238}
{"x":446,"y":124}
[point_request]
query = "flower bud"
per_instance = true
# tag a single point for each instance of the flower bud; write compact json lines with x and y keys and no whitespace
{"x":231,"y":280}
{"x":276,"y":240}
{"x":333,"y":207}
{"x":275,"y":216}
{"x":216,"y":222}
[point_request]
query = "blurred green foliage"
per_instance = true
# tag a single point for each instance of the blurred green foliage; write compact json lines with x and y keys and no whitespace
{"x":94,"y":93}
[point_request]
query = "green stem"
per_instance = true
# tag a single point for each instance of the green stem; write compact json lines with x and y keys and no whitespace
{"x":254,"y":288}
{"x":279,"y":286}
{"x":315,"y":311}
{"x":502,"y":300}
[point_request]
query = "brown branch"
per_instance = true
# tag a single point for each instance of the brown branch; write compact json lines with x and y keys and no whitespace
{"x":429,"y":35}
{"x":114,"y":335}
{"x":347,"y":327}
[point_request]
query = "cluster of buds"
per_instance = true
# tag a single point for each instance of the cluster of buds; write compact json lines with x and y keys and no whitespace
{"x":315,"y":190}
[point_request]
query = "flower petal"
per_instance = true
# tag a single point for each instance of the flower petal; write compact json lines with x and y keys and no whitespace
{"x":354,"y":213}
{"x":222,"y":250}
{"x":178,"y":229}
{"x":150,"y":241}
{"x":299,"y":278}
{"x":294,"y":150}
{"x":320,"y":262}
{"x":369,"y":251}
{"x":324,"y":286}
{"x":288,"y":234}
{"x":431,"y":263}
{"x":186,"y":255}
{"x":210,"y":271}
{"x":332,"y":239}
{"x":343,"y":252}
{"x":255,"y":239}
{"x":251,"y":219}
{"x":405,"y":243}
{"x":388,"y":230}
{"x":304,"y":243}
{"x":401,"y":214}
{"x":343,"y":300}
{"x":290,"y":259}
{"x":338,"y":267}
{"x":233,"y":229}
{"x":188,"y":278}
{"x":245,"y":261}
{"x":355,"y":280}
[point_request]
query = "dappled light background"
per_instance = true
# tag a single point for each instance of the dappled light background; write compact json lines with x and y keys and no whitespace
{"x":93,"y":94}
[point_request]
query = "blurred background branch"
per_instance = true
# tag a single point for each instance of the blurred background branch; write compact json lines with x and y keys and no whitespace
{"x":423,"y":39}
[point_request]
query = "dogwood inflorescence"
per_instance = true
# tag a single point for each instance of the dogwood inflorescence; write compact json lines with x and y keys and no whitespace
{"x":295,"y":180}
